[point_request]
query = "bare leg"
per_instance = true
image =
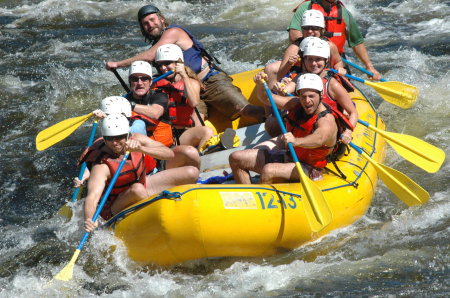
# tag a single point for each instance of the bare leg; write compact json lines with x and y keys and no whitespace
{"x":271,"y":70}
{"x":196,"y":136}
{"x":170,"y":178}
{"x":279,"y":172}
{"x":184,"y":156}
{"x":272,"y":127}
{"x":253,"y":111}
{"x":241,"y":162}
{"x":132,"y":195}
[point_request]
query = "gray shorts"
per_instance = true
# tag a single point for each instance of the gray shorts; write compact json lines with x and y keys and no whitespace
{"x":222,"y":95}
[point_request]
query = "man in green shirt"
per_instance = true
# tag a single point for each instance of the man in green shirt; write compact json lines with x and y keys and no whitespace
{"x":340,"y":26}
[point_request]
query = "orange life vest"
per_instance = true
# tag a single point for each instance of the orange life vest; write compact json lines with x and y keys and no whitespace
{"x":158,"y":130}
{"x":335,"y":28}
{"x":133,"y":171}
{"x":179,"y":109}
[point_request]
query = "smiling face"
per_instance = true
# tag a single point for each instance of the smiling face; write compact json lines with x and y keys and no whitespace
{"x":309,"y":99}
{"x":166,"y":66}
{"x":116,"y":143}
{"x":314,"y":64}
{"x":140,"y":84}
{"x":153,"y":24}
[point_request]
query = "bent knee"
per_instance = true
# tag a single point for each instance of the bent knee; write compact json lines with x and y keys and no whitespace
{"x":138,"y":190}
{"x":191,"y":172}
{"x":235,"y":158}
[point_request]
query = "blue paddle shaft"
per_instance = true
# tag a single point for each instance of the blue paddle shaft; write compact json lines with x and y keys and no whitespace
{"x":356,"y":147}
{"x":348,"y":76}
{"x":365,"y":123}
{"x":361,"y":69}
{"x":104,"y":198}
{"x":162,"y":76}
{"x":280,"y":121}
{"x":83,"y":166}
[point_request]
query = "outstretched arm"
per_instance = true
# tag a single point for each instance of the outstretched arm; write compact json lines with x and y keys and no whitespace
{"x":169,"y":36}
{"x":361,"y":52}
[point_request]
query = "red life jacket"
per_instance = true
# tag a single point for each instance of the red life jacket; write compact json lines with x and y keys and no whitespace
{"x":133,"y":171}
{"x":316,"y":157}
{"x":326,"y":97}
{"x":179,"y":109}
{"x":335,"y":28}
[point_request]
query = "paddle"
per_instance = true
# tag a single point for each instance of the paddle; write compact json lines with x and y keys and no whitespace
{"x":66,"y":273}
{"x":59,"y":131}
{"x":124,"y":85}
{"x":361,"y":69}
{"x":401,"y":185}
{"x":397,"y":93}
{"x":66,"y":210}
{"x":322,"y":215}
{"x":418,"y":152}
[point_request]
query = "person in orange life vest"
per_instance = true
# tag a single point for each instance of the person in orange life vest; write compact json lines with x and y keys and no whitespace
{"x":313,"y":24}
{"x":183,"y":89}
{"x":219,"y":92}
{"x":311,"y":129}
{"x":340,"y":26}
{"x":149,"y":106}
{"x":315,"y":60}
{"x":104,"y":157}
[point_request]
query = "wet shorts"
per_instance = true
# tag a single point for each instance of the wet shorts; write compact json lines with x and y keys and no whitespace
{"x":276,"y":156}
{"x":222,"y":95}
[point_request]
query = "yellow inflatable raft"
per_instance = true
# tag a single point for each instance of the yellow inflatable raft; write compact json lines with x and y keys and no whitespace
{"x":199,"y":221}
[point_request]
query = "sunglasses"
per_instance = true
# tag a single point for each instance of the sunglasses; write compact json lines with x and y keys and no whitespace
{"x":165,"y":63}
{"x":115,"y":138}
{"x":143,"y":79}
{"x":312,"y":28}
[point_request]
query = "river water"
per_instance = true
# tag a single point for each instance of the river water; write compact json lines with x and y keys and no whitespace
{"x":51,"y":69}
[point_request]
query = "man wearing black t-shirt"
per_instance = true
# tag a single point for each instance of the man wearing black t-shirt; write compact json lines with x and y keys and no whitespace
{"x":149,"y":106}
{"x":150,"y":109}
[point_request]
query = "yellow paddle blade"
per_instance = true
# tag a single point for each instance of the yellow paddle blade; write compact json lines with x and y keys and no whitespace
{"x":397,"y":93}
{"x":66,"y":273}
{"x":321,"y":215}
{"x":65,"y":211}
{"x":401,"y":185}
{"x":58,"y":132}
{"x":418,"y":152}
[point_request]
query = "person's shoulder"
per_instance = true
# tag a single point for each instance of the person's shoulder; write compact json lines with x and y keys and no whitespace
{"x":174,"y":31}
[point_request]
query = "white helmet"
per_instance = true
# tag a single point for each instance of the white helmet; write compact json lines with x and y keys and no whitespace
{"x":309,"y":81}
{"x":313,"y":18}
{"x":304,"y":42}
{"x":140,"y":67}
{"x":116,"y":105}
{"x":169,"y":52}
{"x":115,"y":125}
{"x":317,"y":47}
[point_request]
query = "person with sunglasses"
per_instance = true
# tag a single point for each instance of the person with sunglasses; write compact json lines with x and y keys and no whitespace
{"x":311,"y":128}
{"x":133,"y":185}
{"x":219,"y":92}
{"x":340,"y":26}
{"x":183,"y":89}
{"x":147,"y":105}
